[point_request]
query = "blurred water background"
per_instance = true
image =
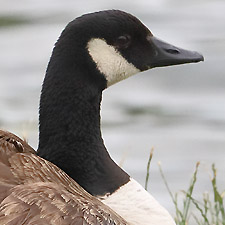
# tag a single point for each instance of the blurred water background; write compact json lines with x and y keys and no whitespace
{"x":180,"y":110}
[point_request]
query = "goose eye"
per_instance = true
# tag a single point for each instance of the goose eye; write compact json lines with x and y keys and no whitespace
{"x":123,"y":41}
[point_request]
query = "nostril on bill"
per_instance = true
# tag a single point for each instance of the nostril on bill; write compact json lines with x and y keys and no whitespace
{"x":172,"y":51}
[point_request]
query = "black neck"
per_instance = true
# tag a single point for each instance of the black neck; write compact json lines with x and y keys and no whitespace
{"x":70,"y":135}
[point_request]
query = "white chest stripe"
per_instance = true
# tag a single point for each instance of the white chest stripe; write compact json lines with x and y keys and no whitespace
{"x":137,"y":206}
{"x":109,"y":61}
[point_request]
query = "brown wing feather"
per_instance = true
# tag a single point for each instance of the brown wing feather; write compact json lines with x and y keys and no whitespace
{"x":35,"y":191}
{"x":11,"y":144}
{"x":48,"y":203}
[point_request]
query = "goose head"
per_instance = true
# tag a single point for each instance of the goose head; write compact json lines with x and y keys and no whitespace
{"x":115,"y":45}
{"x":127,"y":47}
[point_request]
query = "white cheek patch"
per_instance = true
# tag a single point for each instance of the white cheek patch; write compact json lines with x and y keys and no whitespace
{"x":110,"y":62}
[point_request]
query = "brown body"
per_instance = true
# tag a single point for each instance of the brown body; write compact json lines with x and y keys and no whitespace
{"x":35,"y":191}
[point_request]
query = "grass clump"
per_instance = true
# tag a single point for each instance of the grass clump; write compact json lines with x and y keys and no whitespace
{"x":188,"y":210}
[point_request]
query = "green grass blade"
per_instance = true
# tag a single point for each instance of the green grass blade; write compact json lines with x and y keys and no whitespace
{"x":148,"y":168}
{"x":189,"y":193}
{"x":174,"y":199}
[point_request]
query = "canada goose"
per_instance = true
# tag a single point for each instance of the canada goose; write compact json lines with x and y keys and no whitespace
{"x":93,"y":52}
